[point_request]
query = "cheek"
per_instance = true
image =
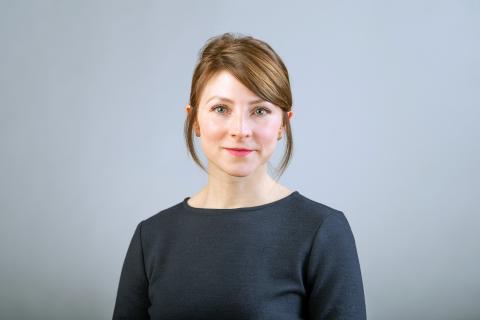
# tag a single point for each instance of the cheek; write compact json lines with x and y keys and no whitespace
{"x":212,"y":130}
{"x":267,"y":138}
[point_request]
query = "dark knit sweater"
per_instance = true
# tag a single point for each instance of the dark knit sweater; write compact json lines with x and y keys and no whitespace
{"x":293,"y":258}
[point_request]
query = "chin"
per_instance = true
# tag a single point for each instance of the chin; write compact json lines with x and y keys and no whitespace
{"x":238,"y":170}
{"x":238,"y":175}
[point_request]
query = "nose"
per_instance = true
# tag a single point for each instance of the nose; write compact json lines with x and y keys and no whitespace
{"x":240,"y":125}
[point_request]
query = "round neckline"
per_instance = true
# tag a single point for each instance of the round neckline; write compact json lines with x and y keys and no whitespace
{"x":215,"y":211}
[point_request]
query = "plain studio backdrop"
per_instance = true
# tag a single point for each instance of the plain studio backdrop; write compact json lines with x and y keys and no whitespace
{"x":385,"y":128}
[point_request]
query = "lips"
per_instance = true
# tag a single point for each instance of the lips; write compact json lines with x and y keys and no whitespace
{"x":238,"y":152}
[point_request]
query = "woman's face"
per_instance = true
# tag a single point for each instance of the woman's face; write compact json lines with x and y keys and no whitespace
{"x":242,"y":121}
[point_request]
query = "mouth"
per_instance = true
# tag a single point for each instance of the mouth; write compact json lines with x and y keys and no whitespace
{"x":239,"y":152}
{"x":238,"y":149}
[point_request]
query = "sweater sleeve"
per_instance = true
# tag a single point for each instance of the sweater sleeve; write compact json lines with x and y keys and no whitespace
{"x":334,"y":281}
{"x":132,"y":300}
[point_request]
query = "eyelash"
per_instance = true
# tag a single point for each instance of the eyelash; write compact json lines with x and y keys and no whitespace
{"x":224,"y":106}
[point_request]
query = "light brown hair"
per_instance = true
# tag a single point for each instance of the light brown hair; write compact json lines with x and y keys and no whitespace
{"x":257,"y":66}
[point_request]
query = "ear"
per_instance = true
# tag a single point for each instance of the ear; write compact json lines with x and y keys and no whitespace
{"x":188,"y":109}
{"x":290,"y":114}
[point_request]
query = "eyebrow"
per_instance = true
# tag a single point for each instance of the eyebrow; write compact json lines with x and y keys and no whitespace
{"x":231,"y":101}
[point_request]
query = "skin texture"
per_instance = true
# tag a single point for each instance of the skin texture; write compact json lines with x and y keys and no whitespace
{"x":235,"y":182}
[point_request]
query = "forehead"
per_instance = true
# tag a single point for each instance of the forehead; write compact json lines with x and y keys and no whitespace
{"x":225,"y":87}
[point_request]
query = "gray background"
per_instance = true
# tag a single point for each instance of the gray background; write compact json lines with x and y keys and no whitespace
{"x":386,"y":103}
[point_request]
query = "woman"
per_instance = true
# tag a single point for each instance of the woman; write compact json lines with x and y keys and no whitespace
{"x":245,"y":246}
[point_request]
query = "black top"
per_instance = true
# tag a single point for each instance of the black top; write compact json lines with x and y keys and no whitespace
{"x":293,"y":258}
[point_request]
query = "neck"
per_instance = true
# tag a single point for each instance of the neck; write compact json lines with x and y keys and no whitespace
{"x":228,"y":191}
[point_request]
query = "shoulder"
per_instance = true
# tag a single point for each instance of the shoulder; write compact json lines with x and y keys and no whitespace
{"x":161,"y":219}
{"x":313,"y":211}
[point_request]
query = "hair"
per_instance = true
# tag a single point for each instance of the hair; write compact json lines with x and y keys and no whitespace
{"x":257,"y":66}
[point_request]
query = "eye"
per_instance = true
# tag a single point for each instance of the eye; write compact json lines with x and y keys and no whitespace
{"x":217,"y":107}
{"x":265,"y":109}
